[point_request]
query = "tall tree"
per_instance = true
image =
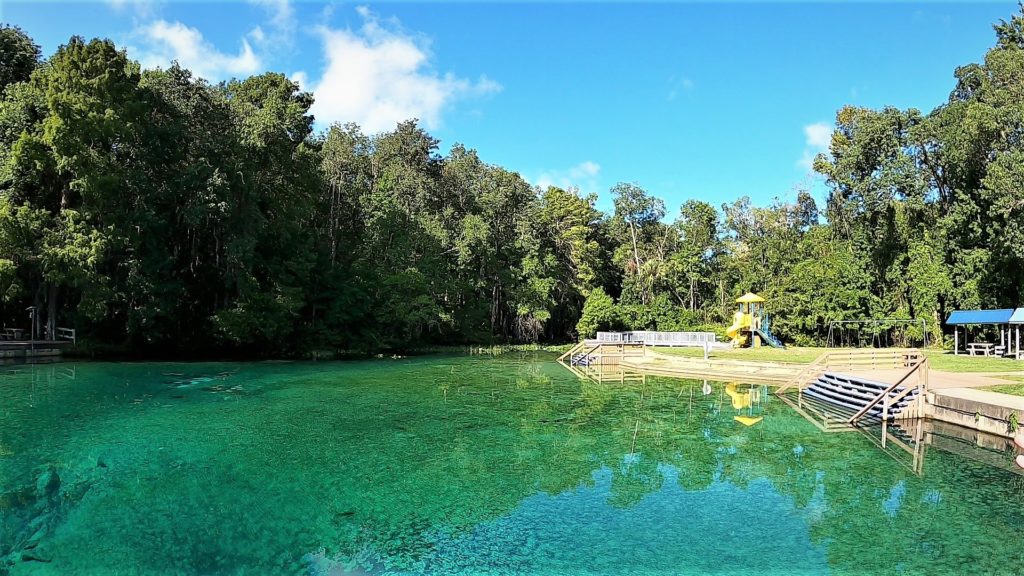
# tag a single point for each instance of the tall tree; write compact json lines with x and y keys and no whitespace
{"x":19,"y":56}
{"x":639,"y":214}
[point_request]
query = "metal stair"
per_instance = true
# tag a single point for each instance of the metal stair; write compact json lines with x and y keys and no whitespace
{"x":853,"y":394}
{"x":581,"y":359}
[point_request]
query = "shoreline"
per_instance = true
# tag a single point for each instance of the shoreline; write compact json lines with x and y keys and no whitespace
{"x":952,"y":397}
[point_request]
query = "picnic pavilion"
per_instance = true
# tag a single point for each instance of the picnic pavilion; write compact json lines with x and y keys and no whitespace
{"x":1007,"y":320}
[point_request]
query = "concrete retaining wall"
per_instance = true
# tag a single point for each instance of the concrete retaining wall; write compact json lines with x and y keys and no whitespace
{"x":975,"y":413}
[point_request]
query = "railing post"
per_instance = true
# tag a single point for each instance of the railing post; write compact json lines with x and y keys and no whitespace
{"x":885,"y":408}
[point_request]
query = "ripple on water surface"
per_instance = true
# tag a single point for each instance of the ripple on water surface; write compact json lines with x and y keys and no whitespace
{"x":462,"y":465}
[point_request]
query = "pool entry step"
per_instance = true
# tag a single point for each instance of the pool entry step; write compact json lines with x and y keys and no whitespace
{"x":853,"y":394}
{"x":581,"y":359}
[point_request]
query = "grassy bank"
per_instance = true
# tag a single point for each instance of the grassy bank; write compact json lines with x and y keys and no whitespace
{"x":1013,"y":389}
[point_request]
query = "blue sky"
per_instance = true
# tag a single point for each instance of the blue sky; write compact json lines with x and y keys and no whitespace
{"x":689,"y":100}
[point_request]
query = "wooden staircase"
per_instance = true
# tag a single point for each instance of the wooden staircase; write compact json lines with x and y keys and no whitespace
{"x":593,"y":353}
{"x":860,"y":396}
{"x":582,"y":354}
{"x":866,"y":399}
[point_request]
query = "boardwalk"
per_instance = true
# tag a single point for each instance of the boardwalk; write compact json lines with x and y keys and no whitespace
{"x":712,"y":368}
{"x":21,"y":349}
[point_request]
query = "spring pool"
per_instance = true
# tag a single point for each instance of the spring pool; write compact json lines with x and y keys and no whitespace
{"x":465,"y":465}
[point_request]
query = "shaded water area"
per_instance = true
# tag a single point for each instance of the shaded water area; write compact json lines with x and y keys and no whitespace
{"x":464,"y":465}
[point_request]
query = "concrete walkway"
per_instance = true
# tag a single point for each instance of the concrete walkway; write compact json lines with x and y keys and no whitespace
{"x":985,"y":397}
{"x":941,"y":380}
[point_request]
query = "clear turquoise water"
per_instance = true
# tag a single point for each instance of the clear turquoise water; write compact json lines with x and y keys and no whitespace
{"x":462,"y":465}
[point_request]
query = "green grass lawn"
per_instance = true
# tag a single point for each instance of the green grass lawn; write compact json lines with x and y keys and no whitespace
{"x":764,"y":354}
{"x":945,"y":360}
{"x":940,"y":359}
{"x":1014,"y":389}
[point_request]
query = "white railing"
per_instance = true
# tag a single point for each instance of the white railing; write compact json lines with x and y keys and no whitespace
{"x":658,"y":338}
{"x":67,"y":334}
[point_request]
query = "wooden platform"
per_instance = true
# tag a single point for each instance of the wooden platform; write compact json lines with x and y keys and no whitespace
{"x":20,"y":349}
{"x":712,"y":368}
{"x":646,"y":360}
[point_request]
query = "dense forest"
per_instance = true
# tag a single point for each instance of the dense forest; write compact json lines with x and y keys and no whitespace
{"x":154,"y":211}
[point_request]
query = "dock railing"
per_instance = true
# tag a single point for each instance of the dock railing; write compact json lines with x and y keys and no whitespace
{"x":870,"y":359}
{"x":913,"y":361}
{"x":885,"y":397}
{"x":66,"y":334}
{"x":652,"y":338}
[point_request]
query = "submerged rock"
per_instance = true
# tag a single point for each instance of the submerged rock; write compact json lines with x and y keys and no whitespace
{"x":35,"y":556}
{"x":48,"y":483}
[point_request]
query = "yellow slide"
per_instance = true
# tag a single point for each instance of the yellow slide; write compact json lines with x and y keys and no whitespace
{"x":739,"y":322}
{"x":740,"y":400}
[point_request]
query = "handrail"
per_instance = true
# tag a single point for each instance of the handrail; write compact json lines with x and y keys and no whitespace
{"x":797,"y":380}
{"x":652,"y":337}
{"x":571,"y":351}
{"x":895,"y":399}
{"x":66,"y":334}
{"x":572,"y":359}
{"x":854,"y":358}
{"x":884,"y":395}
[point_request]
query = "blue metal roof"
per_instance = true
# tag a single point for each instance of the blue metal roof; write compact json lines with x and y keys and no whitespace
{"x":960,"y":317}
{"x":1018,"y":316}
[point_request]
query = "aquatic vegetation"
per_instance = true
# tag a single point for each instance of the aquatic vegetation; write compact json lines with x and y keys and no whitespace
{"x":462,"y":465}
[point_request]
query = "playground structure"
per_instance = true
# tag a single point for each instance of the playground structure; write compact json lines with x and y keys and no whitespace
{"x":746,"y":399}
{"x":750,"y":325}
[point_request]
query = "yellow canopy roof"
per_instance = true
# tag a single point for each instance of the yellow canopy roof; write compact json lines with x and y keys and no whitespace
{"x":749,"y":297}
{"x":747,"y":420}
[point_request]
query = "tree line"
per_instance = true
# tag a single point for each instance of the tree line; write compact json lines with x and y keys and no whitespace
{"x":152,"y":210}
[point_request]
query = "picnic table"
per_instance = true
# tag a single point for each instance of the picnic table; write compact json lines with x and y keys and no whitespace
{"x":982,"y":348}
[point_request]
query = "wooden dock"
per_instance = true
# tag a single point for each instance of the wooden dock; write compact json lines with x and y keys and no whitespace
{"x":660,"y":364}
{"x":27,"y":349}
{"x":640,"y":358}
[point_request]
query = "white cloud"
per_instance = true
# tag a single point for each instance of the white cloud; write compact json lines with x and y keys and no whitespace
{"x":379,"y":75}
{"x":302,"y":79}
{"x":160,"y":42}
{"x":817,"y":138}
{"x":818,"y":135}
{"x":163,"y":42}
{"x":280,"y":20}
{"x":583,"y":176}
